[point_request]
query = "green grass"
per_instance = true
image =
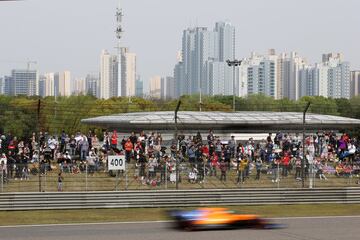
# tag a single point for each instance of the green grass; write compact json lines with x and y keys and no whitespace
{"x":153,"y":214}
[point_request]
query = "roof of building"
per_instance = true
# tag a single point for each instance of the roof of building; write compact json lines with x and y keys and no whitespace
{"x":242,"y":121}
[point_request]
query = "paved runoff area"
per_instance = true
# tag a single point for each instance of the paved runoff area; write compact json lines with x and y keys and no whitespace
{"x":319,"y":228}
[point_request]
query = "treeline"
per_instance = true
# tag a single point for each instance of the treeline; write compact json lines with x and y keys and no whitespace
{"x":23,"y":115}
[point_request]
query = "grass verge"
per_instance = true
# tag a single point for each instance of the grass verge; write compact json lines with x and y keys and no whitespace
{"x":9,"y":218}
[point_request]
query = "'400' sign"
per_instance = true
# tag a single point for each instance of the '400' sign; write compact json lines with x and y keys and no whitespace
{"x":116,"y":163}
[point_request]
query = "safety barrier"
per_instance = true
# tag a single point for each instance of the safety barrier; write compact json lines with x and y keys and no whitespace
{"x":174,"y":199}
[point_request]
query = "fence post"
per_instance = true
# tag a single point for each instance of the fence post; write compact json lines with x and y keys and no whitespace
{"x":39,"y":128}
{"x":278,"y":175}
{"x":117,"y":181}
{"x":86,"y":176}
{"x":203,"y":173}
{"x":2,"y":180}
{"x":126,"y":176}
{"x":45,"y":172}
{"x":166,"y":173}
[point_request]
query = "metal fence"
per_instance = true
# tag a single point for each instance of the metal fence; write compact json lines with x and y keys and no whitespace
{"x":85,"y":177}
{"x":181,"y":198}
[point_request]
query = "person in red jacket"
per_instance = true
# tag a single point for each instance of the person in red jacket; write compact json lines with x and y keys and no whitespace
{"x":285,"y":165}
{"x":114,"y":139}
{"x":128,"y":150}
{"x":205,"y":151}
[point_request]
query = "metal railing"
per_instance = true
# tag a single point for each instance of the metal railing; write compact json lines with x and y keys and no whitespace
{"x":174,"y":199}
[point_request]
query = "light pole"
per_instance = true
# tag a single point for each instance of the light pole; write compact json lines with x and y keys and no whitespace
{"x":234,"y":63}
{"x":303,"y":145}
{"x":177,"y":141}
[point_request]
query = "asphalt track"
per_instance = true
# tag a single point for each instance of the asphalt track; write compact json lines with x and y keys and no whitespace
{"x":323,"y":228}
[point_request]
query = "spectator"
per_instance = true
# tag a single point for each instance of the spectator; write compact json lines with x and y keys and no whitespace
{"x":258,"y":166}
{"x":232,"y":146}
{"x":133,"y":138}
{"x":214,"y":164}
{"x":84,"y":149}
{"x":114,"y":139}
{"x":223,"y":169}
{"x":60,"y":182}
{"x":128,"y":150}
{"x":242,"y":170}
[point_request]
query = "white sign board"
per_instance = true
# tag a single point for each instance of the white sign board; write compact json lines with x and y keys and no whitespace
{"x":116,"y":162}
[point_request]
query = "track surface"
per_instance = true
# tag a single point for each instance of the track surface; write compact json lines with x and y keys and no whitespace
{"x":326,"y":228}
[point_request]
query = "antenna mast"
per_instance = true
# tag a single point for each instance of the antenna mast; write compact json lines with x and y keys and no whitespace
{"x":119,"y":34}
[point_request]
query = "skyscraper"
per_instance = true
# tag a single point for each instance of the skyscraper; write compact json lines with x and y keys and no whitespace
{"x":203,"y":65}
{"x":108,"y":75}
{"x":179,"y":77}
{"x":62,"y":84}
{"x":167,"y":88}
{"x":355,"y":83}
{"x":338,"y":76}
{"x":258,"y":75}
{"x":139,"y":87}
{"x":92,"y":85}
{"x":24,"y":82}
{"x":42,"y":85}
{"x":2,"y":86}
{"x":128,"y":78}
{"x":49,"y":84}
{"x":7,"y":85}
{"x":79,"y":86}
{"x":289,"y":75}
{"x":155,"y":87}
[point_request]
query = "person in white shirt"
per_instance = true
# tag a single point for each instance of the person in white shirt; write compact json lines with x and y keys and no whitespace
{"x":3,"y":163}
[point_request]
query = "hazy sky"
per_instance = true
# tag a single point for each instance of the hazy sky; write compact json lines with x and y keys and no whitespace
{"x":70,"y":34}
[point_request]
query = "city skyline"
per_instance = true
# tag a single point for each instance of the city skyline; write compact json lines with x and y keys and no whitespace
{"x":79,"y":34}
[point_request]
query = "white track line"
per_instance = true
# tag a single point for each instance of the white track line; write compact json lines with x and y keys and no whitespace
{"x":150,"y":222}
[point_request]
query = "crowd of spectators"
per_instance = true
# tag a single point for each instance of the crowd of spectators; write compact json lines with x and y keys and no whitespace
{"x":278,"y":156}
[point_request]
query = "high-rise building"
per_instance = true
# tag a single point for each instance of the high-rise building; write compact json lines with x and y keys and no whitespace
{"x":110,"y":85}
{"x":262,"y":75}
{"x":355,"y":83}
{"x":258,"y":75}
{"x":79,"y":86}
{"x":321,"y":79}
{"x":62,"y":84}
{"x":331,"y":78}
{"x":308,"y":84}
{"x":139,"y":87}
{"x":8,"y":82}
{"x":338,"y":76}
{"x":24,"y":82}
{"x":2,"y":86}
{"x":108,"y":75}
{"x":155,"y":87}
{"x":92,"y":84}
{"x":329,"y":56}
{"x":128,"y":79}
{"x":289,"y":75}
{"x":42,"y":85}
{"x":49,"y":88}
{"x":167,"y":88}
{"x":203,"y":67}
{"x":179,"y":77}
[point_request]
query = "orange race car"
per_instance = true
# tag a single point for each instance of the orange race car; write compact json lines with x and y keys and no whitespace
{"x":218,"y":218}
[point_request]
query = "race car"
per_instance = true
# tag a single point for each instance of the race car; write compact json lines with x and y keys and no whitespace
{"x":218,"y":218}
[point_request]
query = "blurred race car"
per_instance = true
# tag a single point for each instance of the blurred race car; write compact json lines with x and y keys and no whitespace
{"x":218,"y":218}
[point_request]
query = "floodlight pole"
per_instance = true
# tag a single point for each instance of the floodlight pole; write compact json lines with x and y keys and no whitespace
{"x":234,"y":63}
{"x":176,"y":140}
{"x":39,"y":128}
{"x":303,"y":158}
